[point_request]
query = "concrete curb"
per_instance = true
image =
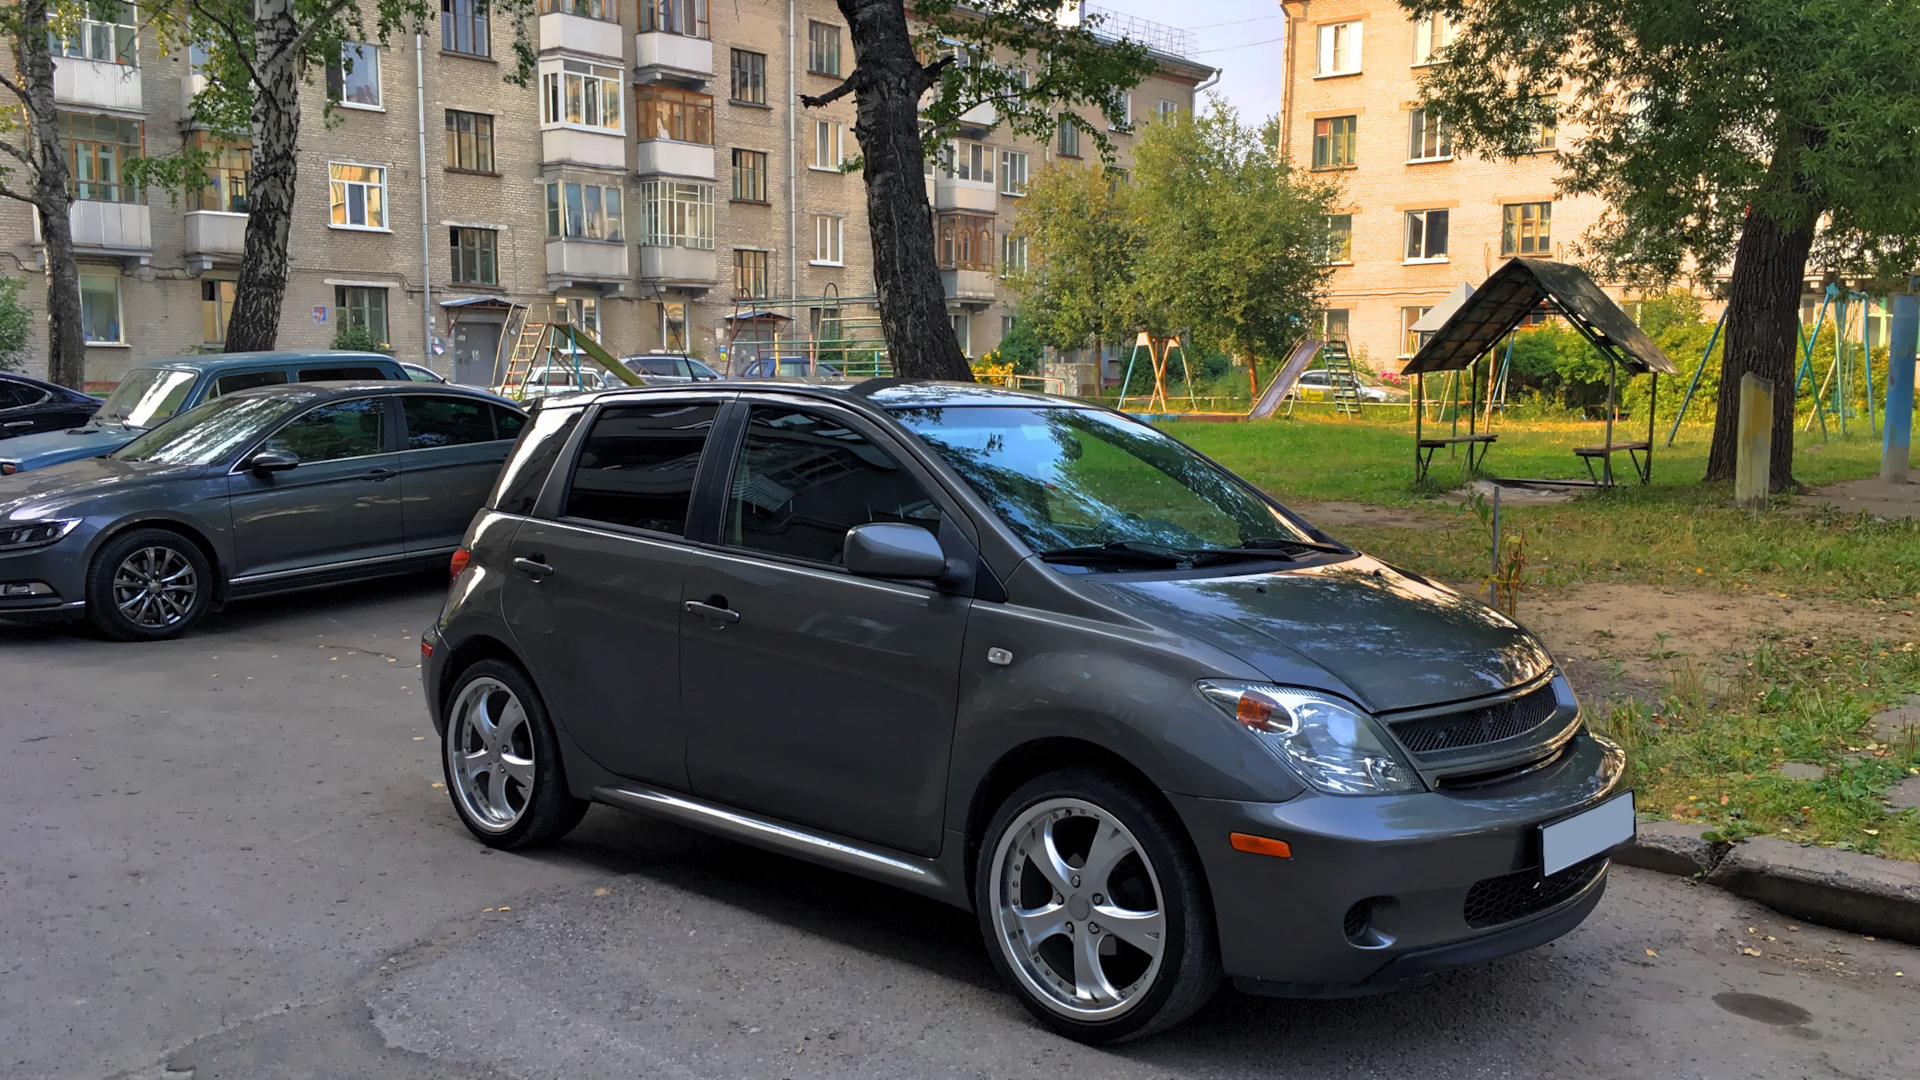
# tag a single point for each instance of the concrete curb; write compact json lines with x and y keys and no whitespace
{"x":1842,"y":889}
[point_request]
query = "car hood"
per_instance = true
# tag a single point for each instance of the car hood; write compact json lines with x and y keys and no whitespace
{"x":57,"y":489}
{"x":1394,"y":640}
{"x":53,"y":447}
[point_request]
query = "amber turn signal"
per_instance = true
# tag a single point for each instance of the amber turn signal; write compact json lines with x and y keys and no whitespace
{"x":1260,"y":845}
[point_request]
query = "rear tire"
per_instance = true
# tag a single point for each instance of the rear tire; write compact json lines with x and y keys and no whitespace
{"x":502,"y":760}
{"x":1094,"y":907}
{"x":148,"y":585}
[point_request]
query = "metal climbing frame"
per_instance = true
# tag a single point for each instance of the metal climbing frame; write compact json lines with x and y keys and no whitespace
{"x":545,"y":340}
{"x":843,"y":333}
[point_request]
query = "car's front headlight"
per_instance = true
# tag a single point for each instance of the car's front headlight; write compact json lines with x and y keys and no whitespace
{"x":1330,"y":744}
{"x":34,"y":533}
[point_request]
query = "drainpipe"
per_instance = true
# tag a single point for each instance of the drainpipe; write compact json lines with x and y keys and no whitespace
{"x":1291,"y":31}
{"x":426,"y":243}
{"x":793,"y":162}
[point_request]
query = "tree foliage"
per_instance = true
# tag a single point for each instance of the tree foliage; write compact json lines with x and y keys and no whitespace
{"x":1083,"y":244}
{"x":16,"y":325}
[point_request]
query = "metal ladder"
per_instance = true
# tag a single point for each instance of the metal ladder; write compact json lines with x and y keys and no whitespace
{"x":528,"y":345}
{"x":1346,"y":382}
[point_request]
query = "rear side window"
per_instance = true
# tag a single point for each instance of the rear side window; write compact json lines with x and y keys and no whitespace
{"x":531,"y":459}
{"x":507,"y":423}
{"x":14,"y":395}
{"x":445,"y":421}
{"x":637,"y":465}
{"x":339,"y":429}
{"x":341,"y":374}
{"x":246,"y":380}
{"x":660,"y":365}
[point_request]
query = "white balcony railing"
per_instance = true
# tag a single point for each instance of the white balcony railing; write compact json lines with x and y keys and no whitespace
{"x":598,"y":259}
{"x":665,"y":157}
{"x":115,"y":228}
{"x":605,"y":150}
{"x":676,"y":265}
{"x":955,"y":194}
{"x":968,"y":285}
{"x":96,"y":83}
{"x":673,"y":53}
{"x":578,"y":34}
{"x":216,"y":232}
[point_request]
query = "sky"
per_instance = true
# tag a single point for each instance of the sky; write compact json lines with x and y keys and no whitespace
{"x":1241,"y":37}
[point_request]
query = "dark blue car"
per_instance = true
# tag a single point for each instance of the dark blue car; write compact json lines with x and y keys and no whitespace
{"x":154,"y":391}
{"x":29,"y":406}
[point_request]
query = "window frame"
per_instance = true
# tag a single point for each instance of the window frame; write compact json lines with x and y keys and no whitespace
{"x":1012,"y":243}
{"x":1513,"y":223}
{"x":681,"y":18}
{"x":559,"y":212}
{"x":1067,"y":137}
{"x":119,"y":325}
{"x":1423,"y":36}
{"x":337,"y":77}
{"x":1327,"y":47}
{"x":489,"y":251}
{"x":668,"y":219}
{"x":343,"y":297}
{"x":1349,"y":141}
{"x":1007,"y":171}
{"x":823,"y":48}
{"x":1324,"y":250}
{"x":597,"y":10}
{"x":609,"y":97}
{"x":118,"y":188}
{"x":755,"y":169}
{"x":1425,"y":219}
{"x":346,"y":206}
{"x":755,"y":265}
{"x":1410,"y":339}
{"x":121,"y":40}
{"x":230,"y":171}
{"x":828,"y":230}
{"x":757,"y":75}
{"x":670,"y":114}
{"x":222,"y":313}
{"x":1424,"y":128}
{"x":478,"y":22}
{"x":821,"y":129}
{"x":474,"y":139}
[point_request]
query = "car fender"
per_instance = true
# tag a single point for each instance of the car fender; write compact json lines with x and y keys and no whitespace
{"x":216,"y":544}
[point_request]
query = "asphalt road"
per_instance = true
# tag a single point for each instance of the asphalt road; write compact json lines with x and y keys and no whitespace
{"x":229,"y":857}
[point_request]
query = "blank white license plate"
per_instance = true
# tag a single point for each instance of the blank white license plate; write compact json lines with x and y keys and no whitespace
{"x":1586,"y":834}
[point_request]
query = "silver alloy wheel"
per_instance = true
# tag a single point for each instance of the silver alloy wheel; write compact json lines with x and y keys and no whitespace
{"x":489,"y":749}
{"x":1080,"y":909}
{"x":155,"y":587}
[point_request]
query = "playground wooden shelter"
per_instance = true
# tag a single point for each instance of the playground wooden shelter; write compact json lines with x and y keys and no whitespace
{"x":1496,"y":309}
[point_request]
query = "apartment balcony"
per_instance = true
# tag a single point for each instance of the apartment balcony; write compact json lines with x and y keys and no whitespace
{"x":96,"y":84}
{"x":597,"y":149}
{"x":560,"y":31}
{"x":666,"y":157}
{"x":214,"y":235}
{"x":672,"y":56}
{"x":955,"y":194}
{"x":192,"y":84}
{"x":969,"y":287}
{"x":983,"y":116}
{"x":108,"y":228}
{"x":677,"y":267}
{"x":573,"y":263}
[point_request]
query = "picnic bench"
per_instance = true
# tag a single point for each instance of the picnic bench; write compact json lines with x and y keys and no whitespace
{"x":1477,"y":444}
{"x":1642,"y":466}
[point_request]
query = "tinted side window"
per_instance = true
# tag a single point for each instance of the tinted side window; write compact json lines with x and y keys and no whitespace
{"x":507,"y":423}
{"x":340,"y":374}
{"x":531,"y":459}
{"x":702,"y":371}
{"x":246,"y":380}
{"x":445,"y":421}
{"x":803,"y":480}
{"x":637,"y":465}
{"x":339,"y":429}
{"x":14,"y":395}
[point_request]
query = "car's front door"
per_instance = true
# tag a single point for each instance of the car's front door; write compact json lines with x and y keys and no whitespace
{"x":454,"y":445}
{"x":594,"y":590}
{"x":340,"y":504}
{"x":809,"y":693}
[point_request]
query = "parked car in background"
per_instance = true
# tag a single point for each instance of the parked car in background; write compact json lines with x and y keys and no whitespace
{"x":1027,"y":656}
{"x":29,"y":406}
{"x":788,"y":367}
{"x":421,"y":374}
{"x":663,"y":369}
{"x":1319,"y":385}
{"x":550,"y":379}
{"x":152,"y":392}
{"x":258,"y":491}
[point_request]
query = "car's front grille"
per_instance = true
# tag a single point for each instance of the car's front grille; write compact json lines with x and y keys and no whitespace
{"x":1496,"y":900}
{"x":1473,"y":727}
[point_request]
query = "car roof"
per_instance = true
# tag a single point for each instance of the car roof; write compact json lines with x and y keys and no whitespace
{"x":322,"y":391}
{"x":42,"y":384}
{"x":225,"y":361}
{"x":879,"y":393}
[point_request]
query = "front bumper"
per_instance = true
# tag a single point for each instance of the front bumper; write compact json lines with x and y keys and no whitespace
{"x":60,"y":568}
{"x":1380,"y":891}
{"x":433,"y":669}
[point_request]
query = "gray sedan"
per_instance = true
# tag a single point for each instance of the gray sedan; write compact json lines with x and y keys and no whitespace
{"x":260,"y":491}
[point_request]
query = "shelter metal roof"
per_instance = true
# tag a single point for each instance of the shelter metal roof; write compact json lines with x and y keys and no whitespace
{"x":1514,"y":291}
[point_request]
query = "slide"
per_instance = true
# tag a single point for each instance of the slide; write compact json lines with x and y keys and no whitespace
{"x":1283,"y":380}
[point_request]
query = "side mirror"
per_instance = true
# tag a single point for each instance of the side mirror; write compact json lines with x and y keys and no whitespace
{"x":272,"y":461}
{"x":887,"y":549}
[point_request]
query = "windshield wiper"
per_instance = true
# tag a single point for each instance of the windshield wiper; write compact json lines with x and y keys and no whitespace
{"x":1268,"y":543}
{"x":1132,"y":551}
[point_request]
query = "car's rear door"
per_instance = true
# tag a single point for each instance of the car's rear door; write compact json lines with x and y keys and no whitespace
{"x":453,"y":445}
{"x":594,"y":592}
{"x":340,"y":504}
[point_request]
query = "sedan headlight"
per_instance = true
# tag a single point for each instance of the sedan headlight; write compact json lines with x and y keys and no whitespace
{"x":1330,"y":744}
{"x":34,"y":533}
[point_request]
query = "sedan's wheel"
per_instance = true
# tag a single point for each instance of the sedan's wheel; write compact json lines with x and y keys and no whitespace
{"x":1094,"y":908}
{"x":502,"y":761}
{"x":147,"y":585}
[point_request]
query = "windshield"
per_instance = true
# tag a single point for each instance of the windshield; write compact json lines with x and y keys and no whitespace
{"x":209,"y":433}
{"x":1077,"y":479}
{"x":147,"y":396}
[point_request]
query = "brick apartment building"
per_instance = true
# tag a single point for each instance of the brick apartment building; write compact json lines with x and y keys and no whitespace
{"x":657,"y":176}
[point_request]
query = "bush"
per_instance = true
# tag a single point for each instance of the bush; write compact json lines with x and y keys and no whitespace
{"x":1021,"y":346}
{"x":16,"y":326}
{"x":358,"y":338}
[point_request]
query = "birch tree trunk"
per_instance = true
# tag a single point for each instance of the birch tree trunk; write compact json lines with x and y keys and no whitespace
{"x":262,"y":285}
{"x":67,"y":356}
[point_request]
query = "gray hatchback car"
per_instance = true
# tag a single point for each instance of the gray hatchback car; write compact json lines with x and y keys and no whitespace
{"x":1029,"y":657}
{"x":258,"y":491}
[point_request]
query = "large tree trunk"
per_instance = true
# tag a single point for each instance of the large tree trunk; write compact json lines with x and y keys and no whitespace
{"x":889,"y":80}
{"x":67,"y":356}
{"x":262,"y":286}
{"x":1763,"y":323}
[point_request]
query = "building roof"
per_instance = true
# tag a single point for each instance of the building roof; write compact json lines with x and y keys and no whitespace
{"x":1507,"y":297}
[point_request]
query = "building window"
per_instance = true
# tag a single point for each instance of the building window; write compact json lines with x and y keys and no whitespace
{"x":473,"y":256}
{"x":1336,"y":240}
{"x":1117,"y":177}
{"x":354,"y":79}
{"x":969,"y":161}
{"x":1334,"y":141}
{"x":1431,"y":36}
{"x":110,"y":42}
{"x":823,"y":48}
{"x":229,"y":167}
{"x":964,"y":242}
{"x":463,"y":27}
{"x":749,"y":77}
{"x":1411,"y":339}
{"x":585,"y":212}
{"x":676,"y":214}
{"x":583,"y":95}
{"x":749,"y":176}
{"x":1426,"y":235}
{"x":1526,"y":228}
{"x":749,"y":274}
{"x":826,"y":240}
{"x":1123,"y":119}
{"x":826,"y":145}
{"x":688,"y":18}
{"x":469,"y":141}
{"x":1339,"y":49}
{"x":583,"y":314}
{"x":216,"y":307}
{"x":962,"y":331}
{"x":362,"y":306}
{"x":357,"y":196}
{"x":98,"y":149}
{"x":1427,"y":137}
{"x":1013,"y":173}
{"x":1069,"y":138}
{"x":1548,"y":130}
{"x":1164,"y":111}
{"x":1333,"y":323}
{"x":680,"y":115}
{"x":100,"y":308}
{"x":604,"y":10}
{"x":673,"y":324}
{"x":1013,"y":254}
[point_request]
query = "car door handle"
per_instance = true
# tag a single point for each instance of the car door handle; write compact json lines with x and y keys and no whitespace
{"x":378,"y":475}
{"x":713,"y":613}
{"x":533,"y":568}
{"x":17,"y":423}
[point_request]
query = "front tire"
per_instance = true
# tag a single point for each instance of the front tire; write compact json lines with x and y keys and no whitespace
{"x":502,"y":760}
{"x":148,"y":585}
{"x":1094,"y":908}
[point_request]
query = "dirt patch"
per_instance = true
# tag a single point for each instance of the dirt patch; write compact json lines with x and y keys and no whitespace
{"x":1517,"y":494}
{"x":1869,"y":496}
{"x":1336,"y":514}
{"x":1609,"y":637}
